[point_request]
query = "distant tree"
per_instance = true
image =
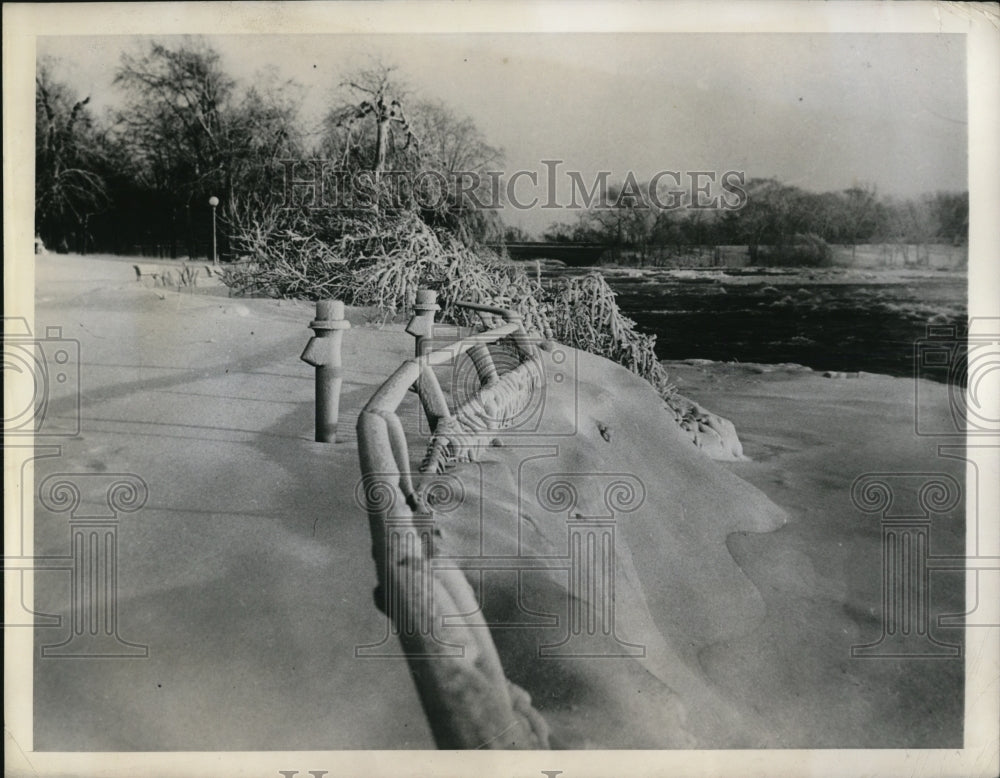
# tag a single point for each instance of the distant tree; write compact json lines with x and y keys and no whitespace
{"x":941,"y":217}
{"x":376,"y":125}
{"x":824,"y":215}
{"x":561,"y":232}
{"x":950,"y":213}
{"x":176,"y":98}
{"x":771,"y":216}
{"x":262,"y":129}
{"x":666,"y":229}
{"x":454,"y":147}
{"x":192,"y":134}
{"x":367,"y":127}
{"x":514,"y":234}
{"x":864,"y":215}
{"x":70,"y":185}
{"x":624,"y":220}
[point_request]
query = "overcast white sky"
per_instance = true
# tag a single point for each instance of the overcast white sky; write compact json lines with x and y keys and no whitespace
{"x":819,"y":111}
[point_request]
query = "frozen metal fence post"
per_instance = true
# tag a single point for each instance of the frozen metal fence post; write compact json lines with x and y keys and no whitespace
{"x":421,"y":326}
{"x":324,"y":353}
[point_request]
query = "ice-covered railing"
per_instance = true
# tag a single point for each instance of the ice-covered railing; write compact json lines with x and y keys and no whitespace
{"x":466,"y":696}
{"x":459,"y":436}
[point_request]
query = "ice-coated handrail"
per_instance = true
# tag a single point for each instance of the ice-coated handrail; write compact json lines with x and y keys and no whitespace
{"x":468,"y":700}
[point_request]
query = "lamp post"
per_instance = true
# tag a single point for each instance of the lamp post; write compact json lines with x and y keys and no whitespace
{"x":213,"y":201}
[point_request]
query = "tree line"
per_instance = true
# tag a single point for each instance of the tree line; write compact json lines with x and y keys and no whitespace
{"x":186,"y":130}
{"x":775,"y":215}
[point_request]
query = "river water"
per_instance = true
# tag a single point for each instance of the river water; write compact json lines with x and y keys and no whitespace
{"x":832,"y":319}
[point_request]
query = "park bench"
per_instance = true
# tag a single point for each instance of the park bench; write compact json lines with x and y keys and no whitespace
{"x":164,"y":275}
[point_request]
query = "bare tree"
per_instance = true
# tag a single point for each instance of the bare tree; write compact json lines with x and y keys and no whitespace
{"x":862,"y":214}
{"x":376,"y":125}
{"x":454,"y":147}
{"x":69,"y":183}
{"x":193,"y":134}
{"x":373,"y":95}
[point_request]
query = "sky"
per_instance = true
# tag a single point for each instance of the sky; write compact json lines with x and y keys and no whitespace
{"x":820,"y":111}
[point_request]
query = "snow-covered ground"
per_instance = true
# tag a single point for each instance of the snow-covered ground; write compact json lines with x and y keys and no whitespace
{"x":247,"y":573}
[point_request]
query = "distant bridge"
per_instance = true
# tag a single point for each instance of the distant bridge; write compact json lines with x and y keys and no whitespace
{"x":570,"y":253}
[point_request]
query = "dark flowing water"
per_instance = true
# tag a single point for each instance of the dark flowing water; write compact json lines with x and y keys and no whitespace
{"x":840,"y":319}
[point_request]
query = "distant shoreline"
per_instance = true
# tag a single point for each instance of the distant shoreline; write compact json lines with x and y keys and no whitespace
{"x":761,"y":368}
{"x":766,"y":274}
